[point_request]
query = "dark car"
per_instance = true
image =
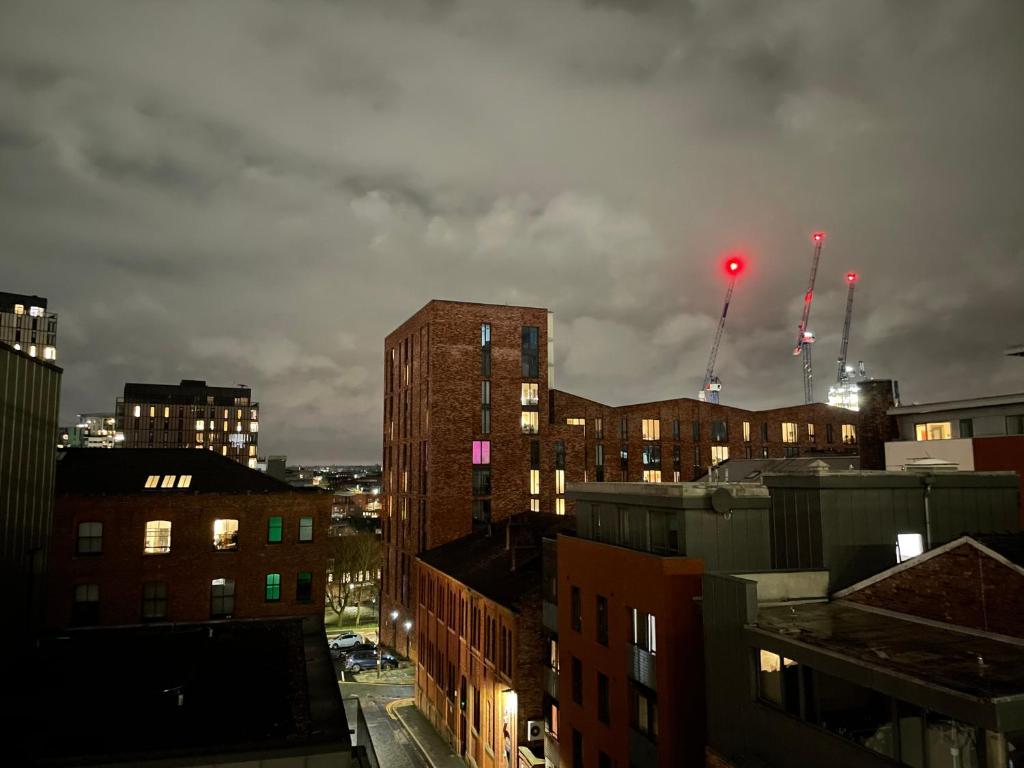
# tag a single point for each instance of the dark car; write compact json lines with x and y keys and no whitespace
{"x":360,"y":660}
{"x":341,"y":653}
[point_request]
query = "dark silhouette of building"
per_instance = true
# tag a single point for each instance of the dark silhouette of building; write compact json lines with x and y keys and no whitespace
{"x":26,"y":326}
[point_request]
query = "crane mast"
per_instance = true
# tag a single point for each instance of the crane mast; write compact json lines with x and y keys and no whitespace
{"x":841,"y":374}
{"x":805,"y":338}
{"x":712,"y":386}
{"x":845,"y":392}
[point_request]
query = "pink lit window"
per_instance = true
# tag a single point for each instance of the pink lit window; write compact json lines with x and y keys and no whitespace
{"x":481,"y":451}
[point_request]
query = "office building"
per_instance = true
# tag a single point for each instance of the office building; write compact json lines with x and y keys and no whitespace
{"x":90,"y":430}
{"x":191,"y":415}
{"x":27,"y":326}
{"x":172,"y":535}
{"x":474,"y":433}
{"x":29,"y":402}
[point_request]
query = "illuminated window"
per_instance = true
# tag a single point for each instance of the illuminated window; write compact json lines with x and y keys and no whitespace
{"x":535,"y":505}
{"x":933,"y":430}
{"x":225,"y":427}
{"x":225,"y":413}
{"x":305,"y":529}
{"x":275,"y":526}
{"x":184,"y":481}
{"x":908,"y":545}
{"x":49,"y":353}
{"x":36,"y":311}
{"x":789,"y":431}
{"x":529,"y":394}
{"x":200,"y":425}
{"x":746,"y":431}
{"x":199,"y":438}
{"x":168,"y":481}
{"x":153,"y":481}
{"x":850,"y":433}
{"x":158,"y":537}
{"x":559,"y":481}
{"x":19,"y":309}
{"x":252,"y":450}
{"x":254,"y":426}
{"x":651,"y":429}
{"x":481,"y":451}
{"x":652,"y":475}
{"x":252,"y":463}
{"x":32,"y":350}
{"x":222,"y":598}
{"x":530,"y":422}
{"x":273,"y":587}
{"x":90,"y":538}
{"x":225,"y":534}
{"x":223,"y":450}
{"x":238,"y":426}
{"x":560,"y":506}
{"x":152,"y":411}
{"x":167,"y":412}
{"x":719,"y":453}
{"x":573,"y":422}
{"x":238,"y":413}
{"x":534,"y":482}
{"x":137,"y":411}
{"x":810,"y":432}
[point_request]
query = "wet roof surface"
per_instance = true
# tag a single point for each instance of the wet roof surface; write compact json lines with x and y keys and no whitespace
{"x":932,"y":655}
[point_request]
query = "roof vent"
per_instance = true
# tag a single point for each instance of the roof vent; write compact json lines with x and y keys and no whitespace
{"x":818,"y":467}
{"x":925,"y":465}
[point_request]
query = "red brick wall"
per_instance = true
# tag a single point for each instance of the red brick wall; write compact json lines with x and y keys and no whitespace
{"x":1001,"y":453}
{"x":964,"y":586}
{"x":192,"y":563}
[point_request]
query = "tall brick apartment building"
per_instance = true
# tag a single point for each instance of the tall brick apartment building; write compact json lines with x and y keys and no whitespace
{"x":473,"y":434}
{"x":177,"y":535}
{"x":191,"y":415}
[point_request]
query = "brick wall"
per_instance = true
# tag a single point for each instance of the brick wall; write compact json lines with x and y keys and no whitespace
{"x":122,"y":567}
{"x":876,"y":426}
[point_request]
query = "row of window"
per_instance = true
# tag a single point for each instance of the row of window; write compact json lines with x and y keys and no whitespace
{"x":157,"y":538}
{"x":650,"y":430}
{"x":943,"y":430}
{"x":86,"y":604}
{"x":200,"y":422}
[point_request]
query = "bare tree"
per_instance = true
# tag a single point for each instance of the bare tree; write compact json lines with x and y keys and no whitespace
{"x":355,"y":572}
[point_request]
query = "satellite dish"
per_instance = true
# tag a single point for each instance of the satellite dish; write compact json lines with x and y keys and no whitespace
{"x":721,"y":501}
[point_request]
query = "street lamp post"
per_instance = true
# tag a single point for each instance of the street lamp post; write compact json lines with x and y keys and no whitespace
{"x":408,"y":627}
{"x":394,"y":629}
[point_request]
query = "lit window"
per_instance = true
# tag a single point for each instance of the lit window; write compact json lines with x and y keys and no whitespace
{"x":535,"y":505}
{"x":199,"y":439}
{"x":222,"y":598}
{"x":238,"y":426}
{"x":153,"y":481}
{"x":746,"y":431}
{"x":254,"y":426}
{"x":137,"y":411}
{"x":35,"y":311}
{"x":719,"y":453}
{"x":225,"y":413}
{"x":274,"y":529}
{"x":651,"y":429}
{"x":184,"y":481}
{"x":168,"y":481}
{"x":652,"y":475}
{"x":789,"y":431}
{"x":167,"y":412}
{"x":559,"y":481}
{"x":200,"y":425}
{"x":158,"y":537}
{"x":252,"y":414}
{"x":481,"y":451}
{"x":574,"y":422}
{"x":19,"y":309}
{"x":225,"y":534}
{"x":529,"y":394}
{"x":90,"y":538}
{"x":225,"y":427}
{"x":238,"y":413}
{"x":933,"y":430}
{"x":49,"y":353}
{"x":273,"y":587}
{"x":534,"y":482}
{"x":530,"y":422}
{"x":32,"y":350}
{"x":252,"y":463}
{"x":223,"y":450}
{"x":850,"y":433}
{"x":305,"y":529}
{"x":908,"y":545}
{"x":252,"y":450}
{"x":810,"y":432}
{"x":560,"y":506}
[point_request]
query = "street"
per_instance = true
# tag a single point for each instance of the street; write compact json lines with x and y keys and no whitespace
{"x":394,"y":747}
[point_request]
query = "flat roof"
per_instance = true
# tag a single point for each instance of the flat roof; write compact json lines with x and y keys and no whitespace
{"x":10,"y":299}
{"x":955,"y":405}
{"x":188,"y":392}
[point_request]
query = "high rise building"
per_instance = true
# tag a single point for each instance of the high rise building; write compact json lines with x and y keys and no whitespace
{"x":190,"y":415}
{"x":27,"y":326}
{"x":474,"y":434}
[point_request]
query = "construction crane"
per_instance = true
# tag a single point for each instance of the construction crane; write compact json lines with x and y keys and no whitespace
{"x":712,"y":387}
{"x":844,"y":392}
{"x":804,"y":338}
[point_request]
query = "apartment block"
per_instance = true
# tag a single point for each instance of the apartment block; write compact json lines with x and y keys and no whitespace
{"x":190,"y":415}
{"x":172,"y":535}
{"x":26,"y":325}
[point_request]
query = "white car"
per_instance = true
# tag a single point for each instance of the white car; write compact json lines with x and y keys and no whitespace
{"x":345,"y":640}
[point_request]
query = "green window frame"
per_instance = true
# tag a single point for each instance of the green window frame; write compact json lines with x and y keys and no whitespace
{"x":275,"y":527}
{"x":273,"y":587}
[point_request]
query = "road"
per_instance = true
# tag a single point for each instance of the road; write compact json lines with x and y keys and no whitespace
{"x":391,"y":741}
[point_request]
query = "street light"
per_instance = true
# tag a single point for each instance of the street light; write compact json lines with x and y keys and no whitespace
{"x":408,"y":626}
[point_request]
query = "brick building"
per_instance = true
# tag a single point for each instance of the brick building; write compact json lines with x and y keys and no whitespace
{"x":190,"y":415}
{"x":474,"y":434}
{"x":172,"y":535}
{"x":482,"y":651}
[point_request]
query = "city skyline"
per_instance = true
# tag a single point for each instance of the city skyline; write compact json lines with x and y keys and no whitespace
{"x":266,"y":209}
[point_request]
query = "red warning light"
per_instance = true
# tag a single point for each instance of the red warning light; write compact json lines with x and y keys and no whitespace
{"x":733,"y":266}
{"x":818,"y":237}
{"x":851,"y":277}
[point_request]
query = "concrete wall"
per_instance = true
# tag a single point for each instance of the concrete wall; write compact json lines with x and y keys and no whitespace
{"x":959,"y":452}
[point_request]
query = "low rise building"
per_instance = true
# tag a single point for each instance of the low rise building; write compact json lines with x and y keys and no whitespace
{"x":90,"y":430}
{"x":171,"y":535}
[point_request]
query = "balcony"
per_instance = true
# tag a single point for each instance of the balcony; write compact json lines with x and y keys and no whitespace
{"x":550,"y":617}
{"x":643,"y":667}
{"x":642,"y":751}
{"x":551,"y":683}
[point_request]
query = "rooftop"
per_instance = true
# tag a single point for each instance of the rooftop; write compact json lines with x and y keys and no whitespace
{"x":188,"y":392}
{"x":929,"y":654}
{"x":483,"y":563}
{"x":956,"y":405}
{"x":126,"y":471}
{"x":8,"y":300}
{"x":752,"y":469}
{"x":132,"y":694}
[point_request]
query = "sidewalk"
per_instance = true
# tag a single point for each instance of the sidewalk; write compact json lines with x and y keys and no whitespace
{"x":434,"y":748}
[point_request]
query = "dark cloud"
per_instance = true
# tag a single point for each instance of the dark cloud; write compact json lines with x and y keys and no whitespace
{"x":258,"y":192}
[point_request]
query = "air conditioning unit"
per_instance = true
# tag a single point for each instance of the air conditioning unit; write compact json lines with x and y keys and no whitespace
{"x":534,"y":730}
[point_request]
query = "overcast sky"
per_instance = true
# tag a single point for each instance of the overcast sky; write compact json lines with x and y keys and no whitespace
{"x":258,"y":192}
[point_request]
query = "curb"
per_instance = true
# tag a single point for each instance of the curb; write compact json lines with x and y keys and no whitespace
{"x":367,"y":682}
{"x":419,"y":744}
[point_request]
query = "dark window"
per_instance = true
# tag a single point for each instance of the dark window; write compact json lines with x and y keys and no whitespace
{"x":719,"y":431}
{"x":274,"y":528}
{"x":1015,"y":425}
{"x":222,"y":598}
{"x":792,"y":451}
{"x":535,"y":454}
{"x":531,"y":352}
{"x":304,"y":587}
{"x":696,"y":455}
{"x":603,"y":703}
{"x":577,"y":749}
{"x":485,"y":407}
{"x":272,"y":591}
{"x":829,"y":434}
{"x":643,"y":711}
{"x":599,"y":454}
{"x":603,"y":761}
{"x":696,"y":431}
{"x":90,"y":538}
{"x":559,"y":455}
{"x":154,"y":600}
{"x":86,"y":608}
{"x":577,"y":609}
{"x":481,"y":480}
{"x":858,"y":714}
{"x":624,"y":459}
{"x":482,"y":511}
{"x":602,"y":620}
{"x":485,"y":349}
{"x":577,"y":680}
{"x":966,"y":427}
{"x":599,"y":428}
{"x":652,"y":456}
{"x":764,"y":432}
{"x":624,"y":428}
{"x":677,"y":460}
{"x":675,"y":429}
{"x":748,"y":452}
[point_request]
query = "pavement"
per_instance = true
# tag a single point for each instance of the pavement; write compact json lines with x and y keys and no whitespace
{"x":433,"y":747}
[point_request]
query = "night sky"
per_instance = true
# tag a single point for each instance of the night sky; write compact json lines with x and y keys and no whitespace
{"x":258,"y":192}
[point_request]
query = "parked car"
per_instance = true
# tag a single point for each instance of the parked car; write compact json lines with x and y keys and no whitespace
{"x":345,"y":641}
{"x":341,"y":653}
{"x":360,"y":660}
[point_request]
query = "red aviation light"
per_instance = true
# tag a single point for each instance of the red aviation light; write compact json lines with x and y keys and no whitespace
{"x":733,"y":266}
{"x":851,"y":277}
{"x":818,"y":237}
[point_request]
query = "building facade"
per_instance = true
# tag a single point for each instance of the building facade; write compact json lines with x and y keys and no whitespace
{"x":90,"y":430}
{"x":171,"y":535}
{"x":474,"y":433}
{"x":190,"y":415}
{"x":27,"y":326}
{"x":29,"y":402}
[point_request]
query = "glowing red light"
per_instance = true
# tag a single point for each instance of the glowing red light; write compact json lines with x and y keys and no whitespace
{"x":851,"y":277}
{"x":818,"y":237}
{"x":733,"y":266}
